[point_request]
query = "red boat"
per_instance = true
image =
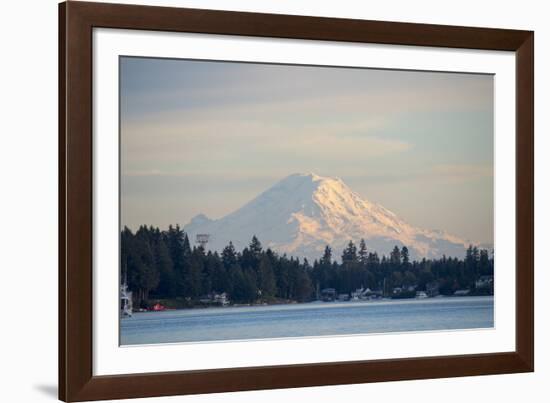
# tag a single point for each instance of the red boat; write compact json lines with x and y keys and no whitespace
{"x":159,"y":307}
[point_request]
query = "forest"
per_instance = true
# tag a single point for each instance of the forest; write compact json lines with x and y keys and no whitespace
{"x":161,"y":265}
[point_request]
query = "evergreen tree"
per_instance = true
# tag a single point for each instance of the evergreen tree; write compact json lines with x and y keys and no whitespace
{"x":405,"y":256}
{"x":179,"y":250}
{"x":193,"y":276}
{"x":126,"y":248}
{"x":255,"y":247}
{"x":363,"y":255}
{"x":244,"y":285}
{"x":186,"y":246}
{"x":163,"y":261}
{"x":143,"y":276}
{"x":327,"y":256}
{"x":229,"y":256}
{"x":304,"y":288}
{"x":485,"y":265}
{"x":373,"y":260}
{"x":349,"y":255}
{"x":219,"y":278}
{"x":266,"y":278}
{"x":409,"y":279}
{"x":395,"y":257}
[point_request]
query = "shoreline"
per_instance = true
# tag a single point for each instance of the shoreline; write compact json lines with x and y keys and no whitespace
{"x":318,"y":303}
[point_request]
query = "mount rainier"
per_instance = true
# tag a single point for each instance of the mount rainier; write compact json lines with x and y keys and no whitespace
{"x":303,"y":213}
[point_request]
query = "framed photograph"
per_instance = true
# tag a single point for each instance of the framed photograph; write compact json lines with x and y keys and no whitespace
{"x":253,"y":201}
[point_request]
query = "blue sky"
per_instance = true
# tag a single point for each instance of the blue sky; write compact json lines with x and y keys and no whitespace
{"x":206,"y":137}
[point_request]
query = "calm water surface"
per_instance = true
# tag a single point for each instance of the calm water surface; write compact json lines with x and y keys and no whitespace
{"x":311,"y":319}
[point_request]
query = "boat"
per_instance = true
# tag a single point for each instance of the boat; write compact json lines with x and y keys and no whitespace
{"x":125,"y":301}
{"x":421,"y":295}
{"x":158,"y":307}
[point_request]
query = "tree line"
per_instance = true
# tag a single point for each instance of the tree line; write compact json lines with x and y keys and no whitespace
{"x":163,"y":265}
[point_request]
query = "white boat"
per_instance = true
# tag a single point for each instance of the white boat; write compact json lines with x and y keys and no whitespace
{"x":421,"y":295}
{"x":125,"y":301}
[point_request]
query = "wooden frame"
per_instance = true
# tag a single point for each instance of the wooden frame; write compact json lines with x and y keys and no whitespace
{"x":76,"y":22}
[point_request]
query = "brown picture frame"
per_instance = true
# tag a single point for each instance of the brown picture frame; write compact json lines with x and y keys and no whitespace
{"x":76,"y":22}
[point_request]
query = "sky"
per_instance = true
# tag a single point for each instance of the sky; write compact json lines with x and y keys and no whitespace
{"x":209,"y":136}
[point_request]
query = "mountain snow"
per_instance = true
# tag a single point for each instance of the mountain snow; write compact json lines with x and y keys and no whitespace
{"x":303,"y":213}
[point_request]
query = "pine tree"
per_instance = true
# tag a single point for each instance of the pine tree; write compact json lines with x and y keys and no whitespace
{"x":349,"y":255}
{"x":395,"y":256}
{"x":255,"y":247}
{"x":327,"y":256}
{"x":186,"y":246}
{"x":180,"y":252}
{"x":126,"y":248}
{"x":229,"y":256}
{"x":484,"y":263}
{"x":303,"y":289}
{"x":266,"y":278}
{"x":167,"y":284}
{"x":244,"y":289}
{"x":143,"y":274}
{"x":405,"y":256}
{"x":193,"y":285}
{"x":363,"y":255}
{"x":409,"y":279}
{"x":218,"y":273}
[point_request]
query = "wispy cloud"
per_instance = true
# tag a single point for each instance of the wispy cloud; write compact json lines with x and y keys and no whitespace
{"x":462,"y":172}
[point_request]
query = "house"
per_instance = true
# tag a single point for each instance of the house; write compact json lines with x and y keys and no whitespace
{"x":421,"y":294}
{"x":215,"y":298}
{"x":360,"y":293}
{"x":328,"y":294}
{"x":432,"y":289}
{"x":221,"y":299}
{"x":484,"y":282}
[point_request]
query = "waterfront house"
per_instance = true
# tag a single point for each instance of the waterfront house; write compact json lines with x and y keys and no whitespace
{"x":221,"y":299}
{"x":215,"y":299}
{"x":421,"y":294}
{"x":328,"y":294}
{"x":484,"y":282}
{"x":432,"y":289}
{"x":360,"y":293}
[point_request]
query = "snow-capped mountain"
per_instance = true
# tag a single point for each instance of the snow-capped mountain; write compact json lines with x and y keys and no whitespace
{"x":303,"y":213}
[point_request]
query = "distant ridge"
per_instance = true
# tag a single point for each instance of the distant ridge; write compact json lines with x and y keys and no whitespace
{"x":303,"y":213}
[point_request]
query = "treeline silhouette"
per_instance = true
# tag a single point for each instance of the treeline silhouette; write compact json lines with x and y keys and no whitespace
{"x":163,"y":265}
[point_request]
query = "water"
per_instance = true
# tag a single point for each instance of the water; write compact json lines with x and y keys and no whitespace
{"x":311,"y":319}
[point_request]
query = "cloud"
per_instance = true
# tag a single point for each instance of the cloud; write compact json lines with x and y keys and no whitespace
{"x":166,"y":87}
{"x":422,"y":176}
{"x":462,"y":172}
{"x":196,"y":141}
